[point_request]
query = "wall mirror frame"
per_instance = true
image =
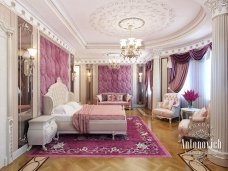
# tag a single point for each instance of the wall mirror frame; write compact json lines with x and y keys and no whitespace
{"x":25,"y":79}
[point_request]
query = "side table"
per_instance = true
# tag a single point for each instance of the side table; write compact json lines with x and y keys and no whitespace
{"x":41,"y":131}
{"x":188,"y":111}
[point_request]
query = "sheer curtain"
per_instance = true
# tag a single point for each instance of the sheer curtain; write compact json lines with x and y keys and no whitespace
{"x":199,"y":79}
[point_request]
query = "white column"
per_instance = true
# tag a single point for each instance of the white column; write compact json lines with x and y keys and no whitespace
{"x":156,"y":82}
{"x":219,"y":82}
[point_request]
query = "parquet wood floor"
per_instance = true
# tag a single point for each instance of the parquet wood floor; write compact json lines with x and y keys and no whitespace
{"x":167,"y":134}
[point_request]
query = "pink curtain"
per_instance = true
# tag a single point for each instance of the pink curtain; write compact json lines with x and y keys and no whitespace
{"x":181,"y":73}
{"x":196,"y":54}
{"x":180,"y":62}
{"x":115,"y":80}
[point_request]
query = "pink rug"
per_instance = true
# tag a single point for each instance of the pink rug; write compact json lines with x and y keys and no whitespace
{"x":139,"y":142}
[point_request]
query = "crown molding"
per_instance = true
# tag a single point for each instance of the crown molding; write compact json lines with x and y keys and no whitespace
{"x":58,"y":10}
{"x":187,"y":47}
{"x":188,"y":29}
{"x":24,"y":13}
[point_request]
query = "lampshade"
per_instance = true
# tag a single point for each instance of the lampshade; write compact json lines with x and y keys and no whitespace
{"x":26,"y":54}
{"x":32,"y":52}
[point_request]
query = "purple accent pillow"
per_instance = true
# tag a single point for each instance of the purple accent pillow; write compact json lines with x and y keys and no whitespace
{"x":104,"y":97}
{"x":125,"y":97}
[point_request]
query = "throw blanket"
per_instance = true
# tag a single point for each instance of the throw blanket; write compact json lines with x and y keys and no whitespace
{"x":96,"y":112}
{"x":81,"y":119}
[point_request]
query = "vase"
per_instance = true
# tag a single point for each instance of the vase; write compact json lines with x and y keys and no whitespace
{"x":190,"y":104}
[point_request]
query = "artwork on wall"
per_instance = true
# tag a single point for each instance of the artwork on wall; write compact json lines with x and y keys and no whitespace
{"x":54,"y":63}
{"x":115,"y":80}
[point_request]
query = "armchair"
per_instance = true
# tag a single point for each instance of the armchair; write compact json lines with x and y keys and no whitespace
{"x":196,"y":126}
{"x":169,"y":108}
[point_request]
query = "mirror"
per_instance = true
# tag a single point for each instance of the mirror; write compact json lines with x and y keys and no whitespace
{"x":25,"y":70}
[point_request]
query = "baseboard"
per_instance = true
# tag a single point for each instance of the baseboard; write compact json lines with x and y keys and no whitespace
{"x":20,"y":151}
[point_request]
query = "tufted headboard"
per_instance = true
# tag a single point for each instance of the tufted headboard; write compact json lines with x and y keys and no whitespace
{"x":57,"y":94}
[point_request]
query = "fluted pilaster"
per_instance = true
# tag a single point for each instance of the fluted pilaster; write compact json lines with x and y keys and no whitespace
{"x":219,"y":90}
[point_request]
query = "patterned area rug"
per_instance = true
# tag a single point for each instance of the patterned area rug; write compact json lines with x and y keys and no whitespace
{"x":139,"y":142}
{"x":34,"y":164}
{"x":194,"y":158}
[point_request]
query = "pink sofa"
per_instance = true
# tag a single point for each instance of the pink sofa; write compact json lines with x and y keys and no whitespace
{"x":123,"y":99}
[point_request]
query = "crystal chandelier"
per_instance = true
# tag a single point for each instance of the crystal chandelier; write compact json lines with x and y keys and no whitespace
{"x":131,"y":47}
{"x":114,"y":63}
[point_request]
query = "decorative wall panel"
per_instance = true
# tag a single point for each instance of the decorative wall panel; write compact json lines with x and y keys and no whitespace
{"x":53,"y":64}
{"x":115,"y":80}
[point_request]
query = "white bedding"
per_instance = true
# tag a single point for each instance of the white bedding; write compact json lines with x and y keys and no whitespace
{"x":65,"y":117}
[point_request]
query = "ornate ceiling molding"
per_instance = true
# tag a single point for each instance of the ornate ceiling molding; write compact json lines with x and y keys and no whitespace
{"x":217,"y":7}
{"x":79,"y":61}
{"x":188,"y":29}
{"x":185,"y":48}
{"x":157,"y":15}
{"x":21,"y":11}
{"x":58,"y":10}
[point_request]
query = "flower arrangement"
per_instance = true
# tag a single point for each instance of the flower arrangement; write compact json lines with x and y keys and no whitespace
{"x":190,"y":96}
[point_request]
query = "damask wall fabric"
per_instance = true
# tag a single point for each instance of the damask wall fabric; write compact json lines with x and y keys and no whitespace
{"x":115,"y":80}
{"x":53,"y":64}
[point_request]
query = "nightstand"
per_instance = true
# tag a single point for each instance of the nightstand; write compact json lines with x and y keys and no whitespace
{"x":41,"y":131}
{"x":188,"y":111}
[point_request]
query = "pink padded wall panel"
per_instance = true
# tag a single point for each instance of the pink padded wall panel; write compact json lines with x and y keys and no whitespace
{"x":53,"y":64}
{"x":115,"y":80}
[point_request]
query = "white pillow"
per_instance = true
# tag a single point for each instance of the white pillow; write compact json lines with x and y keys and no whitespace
{"x":62,"y":109}
{"x":128,"y":97}
{"x":99,"y":96}
{"x":73,"y":104}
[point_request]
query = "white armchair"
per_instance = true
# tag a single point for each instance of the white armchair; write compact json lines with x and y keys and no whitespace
{"x":169,"y":108}
{"x":197,"y":126}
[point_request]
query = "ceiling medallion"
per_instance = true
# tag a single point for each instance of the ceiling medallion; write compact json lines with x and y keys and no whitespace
{"x":135,"y":22}
{"x":158,"y":16}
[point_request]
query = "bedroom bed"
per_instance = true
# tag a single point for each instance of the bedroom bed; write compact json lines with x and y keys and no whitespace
{"x":101,"y":119}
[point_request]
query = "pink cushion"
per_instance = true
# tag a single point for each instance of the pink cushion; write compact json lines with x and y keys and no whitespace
{"x":109,"y":97}
{"x":183,"y":127}
{"x":113,"y":103}
{"x":163,"y":112}
{"x":119,"y":97}
{"x":201,"y":113}
{"x":114,"y":97}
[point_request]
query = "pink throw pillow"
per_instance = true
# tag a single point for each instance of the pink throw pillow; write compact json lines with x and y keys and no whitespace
{"x":109,"y":97}
{"x":201,"y":113}
{"x":114,"y":97}
{"x":119,"y":97}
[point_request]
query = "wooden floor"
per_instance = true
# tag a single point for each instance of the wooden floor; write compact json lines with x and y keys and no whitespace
{"x":167,"y":134}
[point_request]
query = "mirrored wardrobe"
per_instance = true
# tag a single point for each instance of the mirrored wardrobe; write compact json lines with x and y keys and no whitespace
{"x":25,"y":84}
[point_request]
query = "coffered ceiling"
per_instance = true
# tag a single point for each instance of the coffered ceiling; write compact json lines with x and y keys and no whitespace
{"x":92,"y":27}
